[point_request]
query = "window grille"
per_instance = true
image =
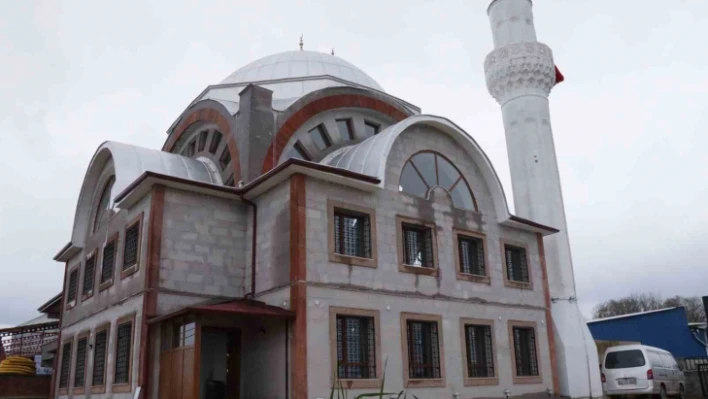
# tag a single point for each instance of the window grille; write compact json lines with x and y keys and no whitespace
{"x":73,"y":282}
{"x":352,"y":234}
{"x":480,"y":360}
{"x":80,"y":369}
{"x":516,"y":264}
{"x":109,"y":256}
{"x":471,"y":251}
{"x":130,"y":251}
{"x":215,"y":141}
{"x":423,"y":349}
{"x":525,"y":351}
{"x":417,"y":245}
{"x":225,"y":158}
{"x":183,"y":335}
{"x":122,"y":360}
{"x":65,"y":365}
{"x":99,"y":358}
{"x":89,"y":271}
{"x":356,"y":347}
{"x":202,"y":140}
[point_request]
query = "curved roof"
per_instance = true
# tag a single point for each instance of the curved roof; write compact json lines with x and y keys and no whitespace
{"x":370,"y":156}
{"x":129,"y":163}
{"x":300,"y":64}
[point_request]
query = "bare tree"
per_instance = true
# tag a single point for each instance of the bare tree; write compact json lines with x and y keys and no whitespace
{"x":644,"y":302}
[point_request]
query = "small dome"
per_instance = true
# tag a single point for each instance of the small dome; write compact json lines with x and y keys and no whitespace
{"x":300,"y":64}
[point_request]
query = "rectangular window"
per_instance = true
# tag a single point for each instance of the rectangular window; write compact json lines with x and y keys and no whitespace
{"x":80,"y":367}
{"x":525,"y":356}
{"x":202,"y":140}
{"x":225,"y":158}
{"x":132,"y":246}
{"x":479,"y":344}
{"x":320,"y":138}
{"x":298,"y":152}
{"x":423,"y":349}
{"x":215,"y":141}
{"x":417,"y":245}
{"x":73,"y":283}
{"x":89,"y":275}
{"x":109,"y":257}
{"x":356,"y":347}
{"x":98,"y":376}
{"x":191,"y":148}
{"x":345,"y":129}
{"x":371,"y":128}
{"x":183,"y":335}
{"x":471,"y":252}
{"x":352,"y":234}
{"x":516,"y":264}
{"x":123,"y":350}
{"x":65,"y":365}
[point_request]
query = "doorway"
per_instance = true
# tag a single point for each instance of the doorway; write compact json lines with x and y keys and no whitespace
{"x":220,"y":365}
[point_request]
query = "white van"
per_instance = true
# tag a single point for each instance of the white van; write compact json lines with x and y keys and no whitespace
{"x":641,"y":370}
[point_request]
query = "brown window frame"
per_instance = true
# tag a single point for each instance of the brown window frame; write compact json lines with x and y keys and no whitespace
{"x":98,"y":389}
{"x":406,"y":268}
{"x":536,"y":379}
{"x":505,"y":272}
{"x":73,"y":302}
{"x":124,"y":386}
{"x":478,"y":381}
{"x":355,"y":383}
{"x":474,"y":278}
{"x":131,"y":269}
{"x":102,"y":285}
{"x":65,"y":390}
{"x":86,"y":295}
{"x":420,"y":382}
{"x":80,"y":390}
{"x":332,"y":207}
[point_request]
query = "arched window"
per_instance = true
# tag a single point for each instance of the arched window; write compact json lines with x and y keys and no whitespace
{"x":426,"y":170}
{"x":103,"y":208}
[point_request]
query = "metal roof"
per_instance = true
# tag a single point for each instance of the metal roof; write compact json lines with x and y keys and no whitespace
{"x":300,"y":64}
{"x":631,"y":315}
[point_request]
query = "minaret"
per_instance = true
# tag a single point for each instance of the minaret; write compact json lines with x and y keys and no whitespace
{"x":520,"y":74}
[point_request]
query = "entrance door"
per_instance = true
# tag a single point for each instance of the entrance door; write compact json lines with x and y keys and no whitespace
{"x":233,"y":364}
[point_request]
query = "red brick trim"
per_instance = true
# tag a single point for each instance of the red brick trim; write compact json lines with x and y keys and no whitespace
{"x":207,"y":114}
{"x":152,"y":275}
{"x":549,"y":316}
{"x":297,"y":119}
{"x":298,"y":286}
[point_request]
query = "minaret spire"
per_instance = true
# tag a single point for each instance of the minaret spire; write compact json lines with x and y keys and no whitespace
{"x":520,"y":74}
{"x":301,"y":42}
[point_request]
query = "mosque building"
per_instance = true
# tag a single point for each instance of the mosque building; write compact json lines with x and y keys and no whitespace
{"x":302,"y":228}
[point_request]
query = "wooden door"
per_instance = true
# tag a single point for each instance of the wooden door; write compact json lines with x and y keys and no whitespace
{"x":233,"y":364}
{"x":177,"y":374}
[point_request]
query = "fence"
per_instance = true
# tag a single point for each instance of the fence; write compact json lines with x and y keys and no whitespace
{"x":691,"y":363}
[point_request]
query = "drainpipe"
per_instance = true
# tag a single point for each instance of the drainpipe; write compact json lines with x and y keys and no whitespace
{"x":253,"y":247}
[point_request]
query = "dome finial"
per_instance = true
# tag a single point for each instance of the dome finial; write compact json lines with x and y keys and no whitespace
{"x":301,"y":42}
{"x":332,"y":50}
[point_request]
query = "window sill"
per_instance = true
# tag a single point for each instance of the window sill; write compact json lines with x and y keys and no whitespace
{"x":536,"y":379}
{"x":129,"y":271}
{"x":104,"y":285}
{"x":121,"y":388}
{"x":70,"y":306}
{"x":426,"y":271}
{"x":86,"y":296}
{"x":425,"y":383}
{"x":63,"y":391}
{"x":352,"y":260}
{"x":473,"y":382}
{"x":367,"y":383}
{"x":98,"y":389}
{"x":78,"y":391}
{"x":474,"y":278}
{"x":518,"y":284}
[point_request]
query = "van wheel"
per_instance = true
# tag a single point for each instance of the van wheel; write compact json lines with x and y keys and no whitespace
{"x":682,"y":392}
{"x":662,"y":393}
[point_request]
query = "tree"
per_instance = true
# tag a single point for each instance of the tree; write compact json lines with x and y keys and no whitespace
{"x":636,"y":303}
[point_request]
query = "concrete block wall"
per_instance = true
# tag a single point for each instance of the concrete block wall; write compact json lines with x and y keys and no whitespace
{"x":203,"y":245}
{"x":132,"y":306}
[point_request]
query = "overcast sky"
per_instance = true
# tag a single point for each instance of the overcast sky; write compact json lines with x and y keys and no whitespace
{"x":629,"y":121}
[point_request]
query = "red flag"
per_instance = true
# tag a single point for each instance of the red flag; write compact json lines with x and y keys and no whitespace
{"x":559,"y":75}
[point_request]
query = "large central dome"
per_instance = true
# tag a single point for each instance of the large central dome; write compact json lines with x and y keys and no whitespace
{"x":300,"y":64}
